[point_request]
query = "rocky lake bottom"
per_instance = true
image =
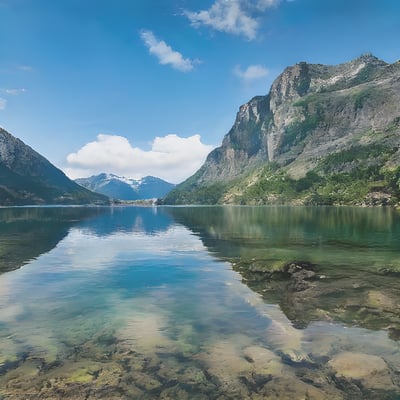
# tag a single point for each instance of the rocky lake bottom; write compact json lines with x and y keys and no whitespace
{"x":199,"y":303}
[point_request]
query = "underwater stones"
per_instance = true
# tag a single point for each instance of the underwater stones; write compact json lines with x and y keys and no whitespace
{"x":145,"y":381}
{"x":185,"y":343}
{"x":191,"y":376}
{"x":8,"y":363}
{"x":300,"y":273}
{"x":287,"y":341}
{"x":181,"y":392}
{"x":194,"y":376}
{"x":174,"y":393}
{"x":94,"y":352}
{"x":295,"y":356}
{"x":82,"y":372}
{"x":225,"y":365}
{"x":372,"y":371}
{"x":81,"y":375}
{"x":110,"y":375}
{"x":381,"y":300}
{"x":20,"y":379}
{"x":264,"y":361}
{"x":287,"y":388}
{"x":188,"y":376}
{"x":169,"y":370}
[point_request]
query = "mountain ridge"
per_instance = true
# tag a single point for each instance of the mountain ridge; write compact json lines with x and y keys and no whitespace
{"x":122,"y":188}
{"x":26,"y":177}
{"x":311,"y":113}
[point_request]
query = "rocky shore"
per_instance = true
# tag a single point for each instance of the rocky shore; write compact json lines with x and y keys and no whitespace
{"x":141,"y":360}
{"x":221,"y":372}
{"x":306,"y":292}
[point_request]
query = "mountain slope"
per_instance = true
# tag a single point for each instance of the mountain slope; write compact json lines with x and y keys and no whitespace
{"x":28,"y":178}
{"x":121,"y":188}
{"x":323,"y":134}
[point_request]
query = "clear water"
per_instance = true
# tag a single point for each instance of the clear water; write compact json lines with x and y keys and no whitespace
{"x":143,"y":303}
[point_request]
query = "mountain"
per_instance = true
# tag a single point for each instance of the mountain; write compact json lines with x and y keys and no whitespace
{"x":121,"y":188}
{"x":26,"y":177}
{"x":322,"y":135}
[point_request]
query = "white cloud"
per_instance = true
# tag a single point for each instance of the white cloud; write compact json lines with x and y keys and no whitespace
{"x":232,"y":16}
{"x":226,"y":16}
{"x":171,"y":157}
{"x":251,"y":73}
{"x":14,"y":92}
{"x":3,"y":103}
{"x":165,"y":54}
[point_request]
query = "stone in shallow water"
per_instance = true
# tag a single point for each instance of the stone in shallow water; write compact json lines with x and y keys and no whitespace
{"x":145,"y":381}
{"x":174,"y":393}
{"x":382,"y":301}
{"x":287,"y":341}
{"x":226,"y":366}
{"x":264,"y":361}
{"x":293,"y":389}
{"x":110,"y":375}
{"x":372,"y":371}
{"x":224,"y":360}
{"x":20,"y":379}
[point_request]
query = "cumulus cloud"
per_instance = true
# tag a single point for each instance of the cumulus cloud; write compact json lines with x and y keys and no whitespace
{"x":165,"y":54}
{"x":238,"y":17}
{"x":251,"y":73}
{"x":3,"y":103}
{"x":171,"y":157}
{"x":225,"y":16}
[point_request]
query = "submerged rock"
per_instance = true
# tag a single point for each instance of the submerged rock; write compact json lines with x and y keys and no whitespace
{"x":300,"y":275}
{"x":291,"y":388}
{"x":308,"y":292}
{"x":264,"y":361}
{"x":371,"y":371}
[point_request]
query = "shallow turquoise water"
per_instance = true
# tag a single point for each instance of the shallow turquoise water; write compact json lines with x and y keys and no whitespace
{"x":149,"y":295}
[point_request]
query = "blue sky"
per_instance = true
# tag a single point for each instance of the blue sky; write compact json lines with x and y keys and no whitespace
{"x":139,"y":87}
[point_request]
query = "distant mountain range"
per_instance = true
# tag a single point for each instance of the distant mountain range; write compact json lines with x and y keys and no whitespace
{"x":27,"y":178}
{"x":324,"y":134}
{"x":121,"y":188}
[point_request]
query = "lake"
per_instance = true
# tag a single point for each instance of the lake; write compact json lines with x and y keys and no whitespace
{"x":199,"y":303}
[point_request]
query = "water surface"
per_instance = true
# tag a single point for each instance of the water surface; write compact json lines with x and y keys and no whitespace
{"x":173,"y":303}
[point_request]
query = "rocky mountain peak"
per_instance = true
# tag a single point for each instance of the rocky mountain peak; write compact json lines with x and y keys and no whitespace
{"x":314,"y":117}
{"x":293,"y":83}
{"x":369,"y":58}
{"x":303,"y":78}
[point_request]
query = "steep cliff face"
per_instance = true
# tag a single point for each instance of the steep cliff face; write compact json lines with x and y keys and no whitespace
{"x":311,"y":112}
{"x":244,"y":146}
{"x":26,"y":177}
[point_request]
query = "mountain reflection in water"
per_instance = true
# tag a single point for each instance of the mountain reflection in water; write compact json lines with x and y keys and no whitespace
{"x":355,"y":251}
{"x":129,"y":303}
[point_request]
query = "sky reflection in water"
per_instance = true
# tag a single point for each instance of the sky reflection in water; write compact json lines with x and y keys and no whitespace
{"x":142,"y":280}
